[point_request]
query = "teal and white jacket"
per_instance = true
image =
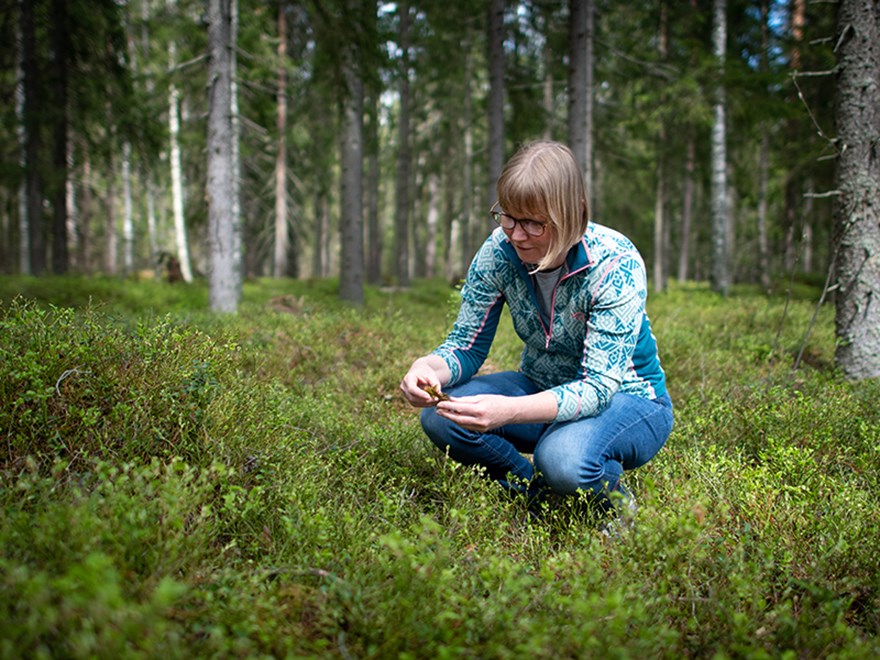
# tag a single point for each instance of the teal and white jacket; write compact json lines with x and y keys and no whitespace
{"x":599,"y":341}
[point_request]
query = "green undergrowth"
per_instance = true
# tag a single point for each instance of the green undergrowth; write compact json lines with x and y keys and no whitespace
{"x":177,"y":483}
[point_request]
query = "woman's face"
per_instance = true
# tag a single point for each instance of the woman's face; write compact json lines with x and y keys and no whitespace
{"x":531,"y":249}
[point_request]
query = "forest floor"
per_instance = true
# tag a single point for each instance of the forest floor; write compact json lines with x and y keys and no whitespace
{"x":178,"y":483}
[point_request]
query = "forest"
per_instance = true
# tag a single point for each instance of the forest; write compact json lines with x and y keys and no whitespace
{"x":228,"y":227}
{"x":105,"y":145}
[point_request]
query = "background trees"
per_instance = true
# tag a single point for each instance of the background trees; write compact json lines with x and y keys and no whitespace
{"x":383,"y":126}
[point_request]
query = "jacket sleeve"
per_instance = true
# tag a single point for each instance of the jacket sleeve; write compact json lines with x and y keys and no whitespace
{"x":467,"y":345}
{"x":616,"y":312}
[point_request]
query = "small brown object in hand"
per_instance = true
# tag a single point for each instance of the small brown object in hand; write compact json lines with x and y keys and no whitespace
{"x":437,"y":396}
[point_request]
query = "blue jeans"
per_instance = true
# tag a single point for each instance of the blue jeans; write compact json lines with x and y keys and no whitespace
{"x":587,"y":454}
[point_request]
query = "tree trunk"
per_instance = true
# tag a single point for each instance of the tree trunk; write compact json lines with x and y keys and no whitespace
{"x":467,"y":180}
{"x":110,"y":239}
{"x":32,"y":104}
{"x":496,"y":98}
{"x":857,"y":209}
{"x":281,"y":231}
{"x":351,"y":276}
{"x":374,"y":230}
{"x":687,"y":206}
{"x":764,"y":161}
{"x":177,"y":174}
{"x":401,"y":207}
{"x":580,"y":85}
{"x":24,"y":245}
{"x":127,"y":212}
{"x":660,"y":229}
{"x":61,"y":49}
{"x":224,"y":270}
{"x":720,"y":250}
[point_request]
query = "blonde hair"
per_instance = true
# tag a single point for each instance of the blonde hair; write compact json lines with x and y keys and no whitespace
{"x":543,"y":181}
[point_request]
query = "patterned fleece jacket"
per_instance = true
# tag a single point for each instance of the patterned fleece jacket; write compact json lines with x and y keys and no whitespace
{"x":599,"y":341}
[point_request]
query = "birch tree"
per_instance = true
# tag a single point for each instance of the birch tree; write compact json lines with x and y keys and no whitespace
{"x":580,"y":85}
{"x":496,"y":97}
{"x":857,"y":212}
{"x":281,"y":231}
{"x":720,"y":257}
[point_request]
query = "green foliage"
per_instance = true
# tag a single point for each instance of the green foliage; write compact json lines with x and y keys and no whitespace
{"x":188,"y":485}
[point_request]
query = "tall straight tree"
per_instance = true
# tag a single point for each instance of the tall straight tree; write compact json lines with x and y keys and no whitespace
{"x":351,"y":276}
{"x":175,"y":160}
{"x":660,"y":224}
{"x":402,"y":206}
{"x":496,"y":96}
{"x":281,"y":232}
{"x":61,"y":49}
{"x":720,"y":249}
{"x":224,"y":276}
{"x":580,"y":85}
{"x":857,"y":212}
{"x":31,"y":123}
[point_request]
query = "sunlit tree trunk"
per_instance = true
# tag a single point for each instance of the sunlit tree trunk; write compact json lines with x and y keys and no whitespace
{"x":720,"y":250}
{"x":402,"y":205}
{"x":687,"y":204}
{"x":224,"y":271}
{"x":857,"y":208}
{"x":127,"y":212}
{"x":177,"y":202}
{"x":281,"y":231}
{"x":111,"y":246}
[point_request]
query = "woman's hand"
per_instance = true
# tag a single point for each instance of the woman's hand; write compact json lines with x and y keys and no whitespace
{"x":481,"y":412}
{"x":429,"y":371}
{"x":484,"y":412}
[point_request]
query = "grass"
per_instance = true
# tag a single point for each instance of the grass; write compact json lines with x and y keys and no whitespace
{"x":177,"y":483}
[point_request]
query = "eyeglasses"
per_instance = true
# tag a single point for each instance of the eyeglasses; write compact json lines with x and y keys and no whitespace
{"x":508,"y":222}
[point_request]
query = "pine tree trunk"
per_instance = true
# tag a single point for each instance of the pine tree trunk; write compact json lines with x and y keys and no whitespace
{"x":580,"y":85}
{"x":281,"y":232}
{"x":24,"y":245}
{"x":720,"y":251}
{"x":687,"y":206}
{"x":857,"y":209}
{"x":127,"y":212}
{"x":496,"y":99}
{"x":33,"y":146}
{"x":59,"y":136}
{"x":374,"y":230}
{"x":660,"y":229}
{"x":467,"y":194}
{"x":224,"y":263}
{"x":401,"y":206}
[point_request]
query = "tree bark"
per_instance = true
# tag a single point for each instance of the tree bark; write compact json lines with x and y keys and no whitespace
{"x":60,"y":40}
{"x":31,"y":83}
{"x":580,"y":85}
{"x":177,"y":200}
{"x":720,"y":248}
{"x":281,"y":231}
{"x":496,"y":98}
{"x":857,"y":208}
{"x":402,"y":205}
{"x":351,"y":276}
{"x":224,"y":270}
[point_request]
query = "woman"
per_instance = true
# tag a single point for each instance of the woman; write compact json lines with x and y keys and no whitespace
{"x":589,"y":399}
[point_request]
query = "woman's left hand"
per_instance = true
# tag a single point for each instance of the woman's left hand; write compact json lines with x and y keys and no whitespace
{"x":481,"y":412}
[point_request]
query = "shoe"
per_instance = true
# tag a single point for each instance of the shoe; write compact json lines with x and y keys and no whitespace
{"x":622,"y":515}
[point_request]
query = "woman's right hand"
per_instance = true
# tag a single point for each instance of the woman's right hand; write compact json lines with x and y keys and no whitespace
{"x":424,"y":372}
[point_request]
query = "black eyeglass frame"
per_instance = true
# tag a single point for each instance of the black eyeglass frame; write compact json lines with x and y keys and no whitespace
{"x":499,"y":216}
